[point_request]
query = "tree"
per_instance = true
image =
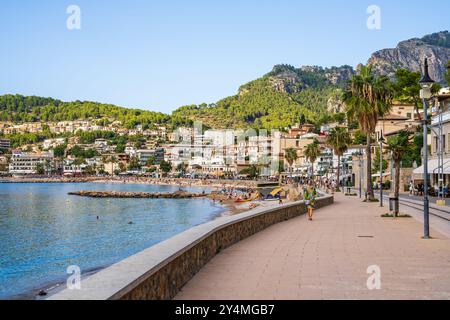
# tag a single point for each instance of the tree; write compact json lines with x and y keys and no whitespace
{"x":79,"y":162}
{"x":398,"y":145}
{"x":165,"y":166}
{"x":182,"y":167}
{"x":40,"y":169}
{"x":339,"y":139}
{"x":367,"y":98}
{"x":251,"y":171}
{"x":122,"y":167}
{"x":151,"y":161}
{"x":312,"y":152}
{"x":407,"y":87}
{"x":376,"y":162}
{"x":134,"y":164}
{"x":291,"y":156}
{"x":59,"y":151}
{"x":359,"y":138}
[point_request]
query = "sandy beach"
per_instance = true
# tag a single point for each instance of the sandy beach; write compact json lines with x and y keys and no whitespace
{"x":183,"y":182}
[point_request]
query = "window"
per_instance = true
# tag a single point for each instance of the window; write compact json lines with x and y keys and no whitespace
{"x":449,"y":140}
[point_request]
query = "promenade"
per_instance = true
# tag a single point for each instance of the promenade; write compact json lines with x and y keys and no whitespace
{"x":328,"y":259}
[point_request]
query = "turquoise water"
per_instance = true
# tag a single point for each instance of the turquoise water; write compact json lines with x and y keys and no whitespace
{"x":43,"y":230}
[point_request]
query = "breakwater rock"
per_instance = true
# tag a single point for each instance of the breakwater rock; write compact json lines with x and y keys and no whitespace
{"x":137,"y":195}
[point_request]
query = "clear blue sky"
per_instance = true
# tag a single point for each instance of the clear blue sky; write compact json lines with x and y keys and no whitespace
{"x":161,"y":55}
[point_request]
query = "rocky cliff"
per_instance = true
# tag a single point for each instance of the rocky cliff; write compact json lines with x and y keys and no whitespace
{"x":410,"y":54}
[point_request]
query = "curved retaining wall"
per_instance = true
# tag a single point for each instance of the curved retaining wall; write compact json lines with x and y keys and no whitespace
{"x":158,"y":273}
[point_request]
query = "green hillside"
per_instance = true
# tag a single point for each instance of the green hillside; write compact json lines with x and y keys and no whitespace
{"x":19,"y":108}
{"x":275,"y":101}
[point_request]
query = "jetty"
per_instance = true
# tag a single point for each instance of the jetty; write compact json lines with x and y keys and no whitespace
{"x":137,"y":195}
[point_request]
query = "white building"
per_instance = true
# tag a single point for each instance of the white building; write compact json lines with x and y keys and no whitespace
{"x":71,"y":169}
{"x":53,"y":143}
{"x":28,"y":163}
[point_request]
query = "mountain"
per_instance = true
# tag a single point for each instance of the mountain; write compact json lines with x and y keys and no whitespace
{"x":281,"y":98}
{"x":288,"y":95}
{"x":410,"y":54}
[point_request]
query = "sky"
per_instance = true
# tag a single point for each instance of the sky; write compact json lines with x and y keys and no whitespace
{"x":160,"y":55}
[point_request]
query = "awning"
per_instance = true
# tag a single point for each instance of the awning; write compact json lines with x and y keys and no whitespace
{"x":433,"y":167}
{"x":377,"y":175}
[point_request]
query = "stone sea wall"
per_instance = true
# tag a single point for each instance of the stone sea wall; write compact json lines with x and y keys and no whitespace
{"x":159,"y":272}
{"x":137,"y":195}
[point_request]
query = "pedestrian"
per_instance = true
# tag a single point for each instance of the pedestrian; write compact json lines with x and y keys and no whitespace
{"x":310,"y":199}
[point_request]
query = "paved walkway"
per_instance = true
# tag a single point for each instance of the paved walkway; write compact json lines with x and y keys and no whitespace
{"x":328,"y":259}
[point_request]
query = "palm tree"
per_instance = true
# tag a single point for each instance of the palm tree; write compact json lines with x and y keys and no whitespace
{"x":339,"y":139}
{"x":398,"y":145}
{"x":291,"y":156}
{"x":312,"y":152}
{"x":368,"y":98}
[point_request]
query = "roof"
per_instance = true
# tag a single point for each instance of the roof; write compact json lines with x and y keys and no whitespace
{"x":394,"y":117}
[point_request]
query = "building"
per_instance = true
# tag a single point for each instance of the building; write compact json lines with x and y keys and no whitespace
{"x":70,"y":168}
{"x":156,"y":154}
{"x":300,"y":130}
{"x":29,"y":163}
{"x":3,"y":164}
{"x":53,"y":143}
{"x":439,"y":163}
{"x":111,"y":167}
{"x":401,"y":117}
{"x":299,"y":143}
{"x":5,"y":144}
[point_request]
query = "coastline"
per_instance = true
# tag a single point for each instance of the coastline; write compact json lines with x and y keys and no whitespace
{"x":225,"y":207}
{"x":230,"y":206}
{"x":183,"y":182}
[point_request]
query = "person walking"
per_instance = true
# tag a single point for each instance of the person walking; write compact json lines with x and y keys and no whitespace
{"x":309,"y":196}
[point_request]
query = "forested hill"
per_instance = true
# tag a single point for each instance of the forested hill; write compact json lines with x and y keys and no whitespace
{"x":281,"y":98}
{"x":19,"y":108}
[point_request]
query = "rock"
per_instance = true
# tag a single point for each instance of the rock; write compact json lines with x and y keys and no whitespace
{"x":136,"y":195}
{"x":410,"y":55}
{"x":42,"y":293}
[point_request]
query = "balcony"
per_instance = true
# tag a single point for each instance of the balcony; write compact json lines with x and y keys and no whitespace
{"x":445,"y":118}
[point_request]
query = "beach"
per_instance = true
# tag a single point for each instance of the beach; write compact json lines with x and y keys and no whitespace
{"x":184,"y":182}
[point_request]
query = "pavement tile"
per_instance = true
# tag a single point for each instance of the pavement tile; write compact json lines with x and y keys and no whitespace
{"x":328,"y":259}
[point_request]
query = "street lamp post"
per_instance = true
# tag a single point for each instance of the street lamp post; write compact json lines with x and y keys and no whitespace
{"x":360,"y":173}
{"x":381,"y":140}
{"x":425,"y":94}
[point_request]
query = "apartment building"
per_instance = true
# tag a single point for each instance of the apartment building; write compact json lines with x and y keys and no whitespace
{"x":145,"y":155}
{"x":440,"y":141}
{"x":28,"y":163}
{"x":5,"y":144}
{"x":53,"y":143}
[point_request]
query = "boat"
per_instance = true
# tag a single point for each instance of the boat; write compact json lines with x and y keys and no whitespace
{"x":274,"y":195}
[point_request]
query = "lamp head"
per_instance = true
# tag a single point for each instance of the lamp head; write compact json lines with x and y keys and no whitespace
{"x":426,"y":81}
{"x":381,"y":139}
